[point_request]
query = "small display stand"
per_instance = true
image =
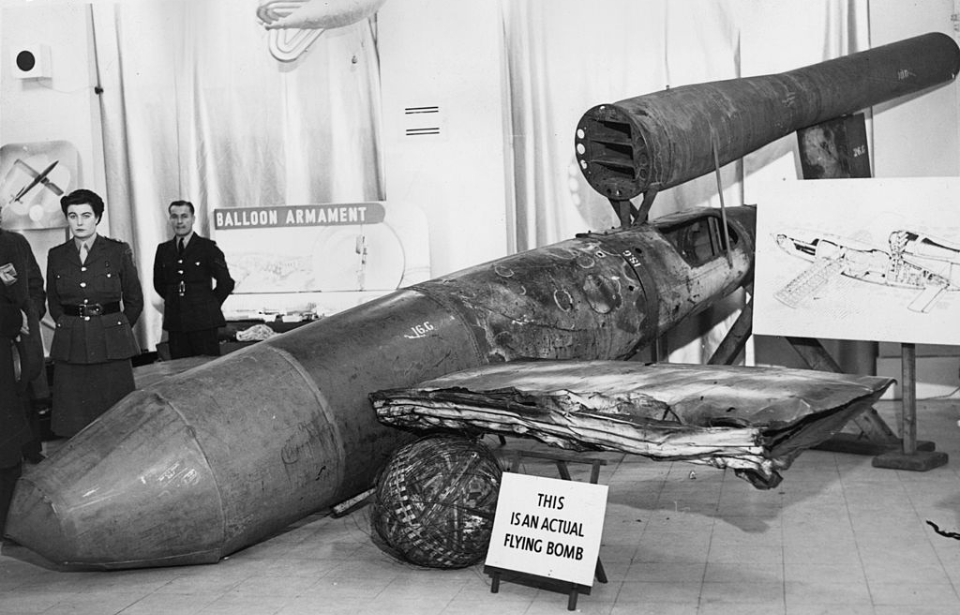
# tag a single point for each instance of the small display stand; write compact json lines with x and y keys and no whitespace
{"x":912,"y":454}
{"x":573,"y":590}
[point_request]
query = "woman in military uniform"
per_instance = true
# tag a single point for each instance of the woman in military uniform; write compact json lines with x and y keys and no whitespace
{"x":94,"y":296}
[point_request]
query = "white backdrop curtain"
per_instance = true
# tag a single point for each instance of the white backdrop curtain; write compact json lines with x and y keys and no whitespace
{"x":195,"y":107}
{"x":566,"y":56}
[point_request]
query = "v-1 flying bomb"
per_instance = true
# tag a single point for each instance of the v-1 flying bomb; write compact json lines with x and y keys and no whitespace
{"x":204,"y":463}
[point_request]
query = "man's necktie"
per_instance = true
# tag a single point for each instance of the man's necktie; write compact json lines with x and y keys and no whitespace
{"x":180,"y":247}
{"x":83,"y":253}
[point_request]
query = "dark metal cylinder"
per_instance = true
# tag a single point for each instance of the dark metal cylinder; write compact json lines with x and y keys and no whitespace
{"x":201,"y":464}
{"x":206,"y":462}
{"x":668,"y":137}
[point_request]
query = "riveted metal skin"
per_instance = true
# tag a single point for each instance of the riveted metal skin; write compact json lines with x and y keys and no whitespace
{"x":599,"y":294}
{"x":668,"y":137}
{"x":196,"y":466}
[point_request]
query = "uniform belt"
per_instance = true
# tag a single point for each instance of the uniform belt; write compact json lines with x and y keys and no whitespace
{"x":92,"y":309}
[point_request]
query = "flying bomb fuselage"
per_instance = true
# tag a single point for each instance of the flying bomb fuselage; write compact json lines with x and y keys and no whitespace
{"x":206,"y":462}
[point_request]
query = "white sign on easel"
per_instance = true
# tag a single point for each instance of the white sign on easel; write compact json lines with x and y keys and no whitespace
{"x":548,"y":527}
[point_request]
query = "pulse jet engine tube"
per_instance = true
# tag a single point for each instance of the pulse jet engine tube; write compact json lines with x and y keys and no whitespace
{"x":667,"y":138}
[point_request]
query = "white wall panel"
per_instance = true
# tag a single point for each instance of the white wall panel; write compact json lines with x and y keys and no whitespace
{"x":444,"y":124}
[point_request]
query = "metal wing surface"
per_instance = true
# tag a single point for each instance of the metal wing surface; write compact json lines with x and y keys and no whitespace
{"x":755,"y":420}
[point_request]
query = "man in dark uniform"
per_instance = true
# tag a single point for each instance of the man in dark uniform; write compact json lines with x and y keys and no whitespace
{"x":29,"y":343}
{"x":21,"y":302}
{"x":190,"y":273}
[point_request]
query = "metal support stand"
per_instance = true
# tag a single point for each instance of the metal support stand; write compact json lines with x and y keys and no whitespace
{"x":736,"y":338}
{"x":628,"y":214}
{"x":875,"y":437}
{"x":910,"y":457}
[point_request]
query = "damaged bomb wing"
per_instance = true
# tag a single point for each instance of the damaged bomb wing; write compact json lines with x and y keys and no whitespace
{"x":753,"y":420}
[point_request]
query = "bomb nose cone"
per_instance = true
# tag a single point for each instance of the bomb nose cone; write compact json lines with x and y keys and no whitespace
{"x":45,"y":526}
{"x":199,"y":464}
{"x":121,"y":496}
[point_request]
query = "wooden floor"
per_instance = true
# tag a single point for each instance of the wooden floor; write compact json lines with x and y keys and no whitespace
{"x":837,"y":536}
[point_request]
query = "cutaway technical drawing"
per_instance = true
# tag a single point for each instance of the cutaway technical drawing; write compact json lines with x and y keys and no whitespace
{"x":912,"y":261}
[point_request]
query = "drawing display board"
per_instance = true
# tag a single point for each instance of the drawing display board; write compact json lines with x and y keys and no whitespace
{"x":319,"y":257}
{"x":859,"y":259}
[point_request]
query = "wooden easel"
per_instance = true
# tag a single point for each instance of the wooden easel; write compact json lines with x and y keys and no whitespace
{"x":573,"y":590}
{"x":848,"y":136}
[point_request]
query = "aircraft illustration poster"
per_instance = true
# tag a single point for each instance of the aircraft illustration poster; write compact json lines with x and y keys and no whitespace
{"x":319,"y":257}
{"x":859,"y":259}
{"x":33,"y":177}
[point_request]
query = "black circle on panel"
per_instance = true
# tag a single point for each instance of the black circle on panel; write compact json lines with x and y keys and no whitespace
{"x":26,"y":60}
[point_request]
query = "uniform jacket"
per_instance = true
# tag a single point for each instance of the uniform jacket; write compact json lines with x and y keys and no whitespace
{"x":193,"y":286}
{"x":107,"y":276}
{"x":16,"y":252}
{"x":21,"y":277}
{"x":21,"y":289}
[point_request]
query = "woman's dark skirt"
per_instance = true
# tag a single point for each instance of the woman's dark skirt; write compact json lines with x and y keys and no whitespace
{"x":81,"y":393}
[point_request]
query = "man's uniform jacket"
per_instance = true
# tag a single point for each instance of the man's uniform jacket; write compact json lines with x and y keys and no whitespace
{"x":190,"y":300}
